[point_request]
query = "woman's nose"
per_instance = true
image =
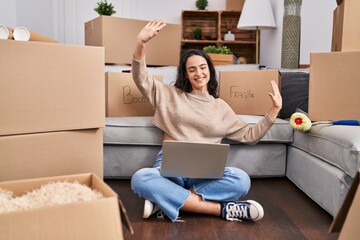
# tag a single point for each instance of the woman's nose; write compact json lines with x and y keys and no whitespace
{"x":198,"y":71}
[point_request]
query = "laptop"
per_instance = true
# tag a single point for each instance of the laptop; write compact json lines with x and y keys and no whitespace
{"x":193,"y":159}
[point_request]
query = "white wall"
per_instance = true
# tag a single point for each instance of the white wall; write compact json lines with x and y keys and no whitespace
{"x":316,"y":27}
{"x":316,"y":31}
{"x":270,"y":40}
{"x":64,"y":20}
{"x":8,"y":13}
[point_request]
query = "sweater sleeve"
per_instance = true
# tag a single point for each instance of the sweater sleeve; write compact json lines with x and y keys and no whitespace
{"x":146,"y":83}
{"x":240,"y":131}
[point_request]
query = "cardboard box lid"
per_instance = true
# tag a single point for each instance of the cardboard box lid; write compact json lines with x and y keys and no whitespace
{"x":50,"y":87}
{"x":334,"y":84}
{"x":347,"y":219}
{"x":83,"y":220}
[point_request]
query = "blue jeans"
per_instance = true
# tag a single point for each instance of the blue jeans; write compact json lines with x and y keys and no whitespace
{"x":170,"y":194}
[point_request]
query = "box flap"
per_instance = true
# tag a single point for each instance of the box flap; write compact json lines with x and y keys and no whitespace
{"x":341,"y":216}
{"x":98,"y":219}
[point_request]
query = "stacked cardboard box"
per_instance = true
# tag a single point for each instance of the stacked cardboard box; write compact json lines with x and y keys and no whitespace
{"x":334,"y":86}
{"x":52,"y":102}
{"x":334,"y":77}
{"x":346,"y":32}
{"x":52,"y":109}
{"x":118,"y":36}
{"x":333,"y":95}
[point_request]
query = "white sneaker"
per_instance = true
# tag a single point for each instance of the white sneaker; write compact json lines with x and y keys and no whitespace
{"x":249,"y":210}
{"x":149,"y":209}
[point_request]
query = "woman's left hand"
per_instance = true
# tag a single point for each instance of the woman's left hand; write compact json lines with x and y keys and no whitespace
{"x":275,"y":96}
{"x":276,"y":99}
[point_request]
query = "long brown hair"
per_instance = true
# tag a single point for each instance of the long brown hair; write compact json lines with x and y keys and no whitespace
{"x":183,"y":83}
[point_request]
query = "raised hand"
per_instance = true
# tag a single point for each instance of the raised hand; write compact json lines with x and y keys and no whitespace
{"x":150,"y":30}
{"x":275,"y":96}
{"x":276,"y":99}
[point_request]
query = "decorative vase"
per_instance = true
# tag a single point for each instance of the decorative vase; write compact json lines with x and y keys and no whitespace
{"x":229,"y":36}
{"x":291,"y":34}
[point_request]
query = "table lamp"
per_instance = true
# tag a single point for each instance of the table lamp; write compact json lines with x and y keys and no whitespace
{"x":256,"y":15}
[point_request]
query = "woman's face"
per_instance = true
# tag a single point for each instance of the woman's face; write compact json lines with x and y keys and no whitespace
{"x":198,"y":73}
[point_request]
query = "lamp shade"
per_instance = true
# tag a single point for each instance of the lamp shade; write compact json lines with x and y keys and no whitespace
{"x":256,"y":13}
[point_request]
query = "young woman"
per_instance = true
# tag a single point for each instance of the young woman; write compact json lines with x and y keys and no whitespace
{"x":191,"y":111}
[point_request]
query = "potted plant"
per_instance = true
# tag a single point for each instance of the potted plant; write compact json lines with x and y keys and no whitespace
{"x":197,"y":33}
{"x":219,"y":55}
{"x":104,"y":8}
{"x":201,"y":4}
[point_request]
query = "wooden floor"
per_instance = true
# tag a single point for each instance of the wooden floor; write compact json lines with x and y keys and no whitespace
{"x":289,"y":214}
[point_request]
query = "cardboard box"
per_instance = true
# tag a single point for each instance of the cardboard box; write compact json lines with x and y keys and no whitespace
{"x":118,"y":36}
{"x":123,"y":98}
{"x":50,"y":87}
{"x":234,"y":5}
{"x":247,"y":92}
{"x":334,"y":84}
{"x":98,"y":219}
{"x":51,"y":154}
{"x":346,"y":35}
{"x":347,"y":219}
{"x":221,"y":59}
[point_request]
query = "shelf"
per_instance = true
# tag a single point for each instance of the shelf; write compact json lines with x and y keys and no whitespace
{"x":214,"y":25}
{"x":215,"y":42}
{"x":199,"y":41}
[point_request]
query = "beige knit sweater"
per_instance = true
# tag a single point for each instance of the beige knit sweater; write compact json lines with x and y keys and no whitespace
{"x":194,"y":116}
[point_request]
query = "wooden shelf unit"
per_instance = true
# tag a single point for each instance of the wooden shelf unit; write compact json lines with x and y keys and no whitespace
{"x":214,"y":26}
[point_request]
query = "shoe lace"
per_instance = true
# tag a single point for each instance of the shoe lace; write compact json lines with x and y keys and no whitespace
{"x":237,"y":212}
{"x":160,"y":214}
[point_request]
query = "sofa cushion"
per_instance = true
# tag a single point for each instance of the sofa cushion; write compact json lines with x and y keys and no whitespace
{"x":294,"y":92}
{"x":141,"y":131}
{"x":335,"y":144}
{"x":132,"y":131}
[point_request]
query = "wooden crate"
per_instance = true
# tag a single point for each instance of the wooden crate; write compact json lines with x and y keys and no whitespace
{"x":221,"y":59}
{"x":206,"y":20}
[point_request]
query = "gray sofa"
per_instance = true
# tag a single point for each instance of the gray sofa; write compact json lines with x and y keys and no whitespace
{"x":131,"y":143}
{"x":321,"y":162}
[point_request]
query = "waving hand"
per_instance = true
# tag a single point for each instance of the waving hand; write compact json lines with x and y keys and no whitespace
{"x":150,"y":30}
